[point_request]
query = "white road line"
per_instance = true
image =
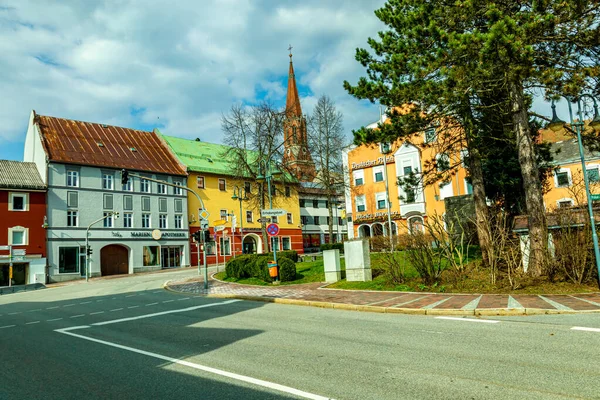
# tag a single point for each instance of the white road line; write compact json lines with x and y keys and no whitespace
{"x":117,"y":309}
{"x":37,"y":309}
{"x":14,"y":313}
{"x":98,"y":301}
{"x":7,"y":326}
{"x":77,"y":316}
{"x":231,"y":375}
{"x":485,"y":321}
{"x":55,"y":319}
{"x":185,"y":298}
{"x":151,"y":304}
{"x":31,"y":323}
{"x":97,"y":312}
{"x":69,"y":305}
{"x":583,"y":328}
{"x":85,"y":302}
{"x":132,"y":307}
{"x":168,"y":301}
{"x":52,"y":308}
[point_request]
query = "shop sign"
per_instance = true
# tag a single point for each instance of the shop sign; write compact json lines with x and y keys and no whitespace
{"x":393,"y":214}
{"x":371,"y":163}
{"x":163,"y":235}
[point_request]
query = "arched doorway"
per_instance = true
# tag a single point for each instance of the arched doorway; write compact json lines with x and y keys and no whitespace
{"x":114,"y":260}
{"x":364,"y":231}
{"x":377,"y":229}
{"x":416,"y":224}
{"x":252,"y":244}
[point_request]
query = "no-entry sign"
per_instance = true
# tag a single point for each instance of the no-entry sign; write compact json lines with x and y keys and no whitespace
{"x":272,"y":229}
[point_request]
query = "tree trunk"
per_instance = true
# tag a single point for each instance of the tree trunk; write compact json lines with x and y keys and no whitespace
{"x":482,"y":214}
{"x":538,"y":230}
{"x":263,"y":226}
{"x":330,"y":209}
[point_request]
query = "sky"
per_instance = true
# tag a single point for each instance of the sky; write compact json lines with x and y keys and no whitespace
{"x":177,"y":65}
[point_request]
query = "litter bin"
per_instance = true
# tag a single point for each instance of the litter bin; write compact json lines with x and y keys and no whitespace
{"x":272,"y":269}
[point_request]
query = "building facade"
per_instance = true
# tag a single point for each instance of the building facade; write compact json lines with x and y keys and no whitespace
{"x":140,"y":226}
{"x":22,"y":223}
{"x":210,"y":175}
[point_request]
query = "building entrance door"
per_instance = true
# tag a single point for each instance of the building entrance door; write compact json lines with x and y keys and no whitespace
{"x":170,"y":256}
{"x":114,"y":260}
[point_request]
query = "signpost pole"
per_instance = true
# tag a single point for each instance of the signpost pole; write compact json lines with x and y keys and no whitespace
{"x":10,"y":266}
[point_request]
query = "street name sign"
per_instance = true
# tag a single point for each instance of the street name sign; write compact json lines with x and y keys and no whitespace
{"x":19,"y":258}
{"x":219,"y":228}
{"x":273,"y":229}
{"x":19,"y":252}
{"x":595,"y":197}
{"x":276,"y":212}
{"x":261,"y":220}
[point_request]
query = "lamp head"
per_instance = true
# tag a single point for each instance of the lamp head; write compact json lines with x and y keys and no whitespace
{"x":556,"y":124}
{"x":595,"y":123}
{"x":260,"y":178}
{"x":234,"y":197}
{"x":276,"y":172}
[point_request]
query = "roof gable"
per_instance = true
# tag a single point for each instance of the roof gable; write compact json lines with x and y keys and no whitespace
{"x":20,"y":175}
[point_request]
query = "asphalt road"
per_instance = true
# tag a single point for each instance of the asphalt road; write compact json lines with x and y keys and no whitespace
{"x":128,"y":338}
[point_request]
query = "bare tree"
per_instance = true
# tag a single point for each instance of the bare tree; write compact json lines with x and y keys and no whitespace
{"x":325,"y":141}
{"x":254,"y":136}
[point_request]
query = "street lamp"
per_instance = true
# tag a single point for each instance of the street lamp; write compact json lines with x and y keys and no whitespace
{"x":265,"y":165}
{"x":88,"y":251}
{"x":239,"y":194}
{"x":556,"y":124}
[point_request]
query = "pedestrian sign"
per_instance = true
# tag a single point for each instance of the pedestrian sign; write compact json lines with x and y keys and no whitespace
{"x":273,"y":229}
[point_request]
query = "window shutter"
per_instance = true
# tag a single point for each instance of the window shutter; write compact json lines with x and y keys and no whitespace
{"x":145,"y":203}
{"x":108,"y":201}
{"x":128,"y":202}
{"x":162,"y":204}
{"x":178,"y":205}
{"x":72,"y":199}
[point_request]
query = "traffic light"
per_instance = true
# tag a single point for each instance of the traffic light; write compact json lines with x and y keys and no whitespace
{"x":124,"y":176}
{"x":206,"y":236}
{"x":196,"y":236}
{"x":89,"y":250}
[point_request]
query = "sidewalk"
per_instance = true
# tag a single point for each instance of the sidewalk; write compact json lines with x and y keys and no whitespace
{"x":317,"y":295}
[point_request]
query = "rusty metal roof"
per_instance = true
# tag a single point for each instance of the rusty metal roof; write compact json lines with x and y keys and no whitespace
{"x":86,"y":143}
{"x":20,"y":175}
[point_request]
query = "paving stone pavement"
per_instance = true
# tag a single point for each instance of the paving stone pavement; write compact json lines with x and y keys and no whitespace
{"x":317,"y":292}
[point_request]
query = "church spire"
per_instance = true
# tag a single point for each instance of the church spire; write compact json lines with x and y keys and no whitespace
{"x":292,"y":104}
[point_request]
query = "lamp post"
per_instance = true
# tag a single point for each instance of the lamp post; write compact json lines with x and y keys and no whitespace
{"x":239,"y":194}
{"x":556,"y":124}
{"x":265,"y":165}
{"x":87,"y":241}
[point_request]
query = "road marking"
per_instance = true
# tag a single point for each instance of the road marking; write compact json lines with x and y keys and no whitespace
{"x":151,"y":304}
{"x":98,"y":301}
{"x":14,"y":313}
{"x":168,"y":301}
{"x":117,"y":309}
{"x":77,"y":316}
{"x":37,"y":309}
{"x":583,"y":328}
{"x":69,"y":305}
{"x":31,"y":323}
{"x":485,"y":321}
{"x":85,"y":302}
{"x":97,"y":312}
{"x":231,"y":375}
{"x":7,"y":326}
{"x":52,"y":308}
{"x":133,"y":307}
{"x":55,"y":319}
{"x":185,"y":298}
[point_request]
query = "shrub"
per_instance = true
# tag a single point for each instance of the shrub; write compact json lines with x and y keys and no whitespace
{"x":240,"y":267}
{"x":424,"y":258}
{"x":287,"y":269}
{"x":394,"y":267}
{"x":332,"y":246}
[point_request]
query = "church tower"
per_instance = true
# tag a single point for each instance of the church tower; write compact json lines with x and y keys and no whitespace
{"x":296,"y":156}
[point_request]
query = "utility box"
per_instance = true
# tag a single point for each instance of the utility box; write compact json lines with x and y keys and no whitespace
{"x":358,"y":260}
{"x":333,"y":271}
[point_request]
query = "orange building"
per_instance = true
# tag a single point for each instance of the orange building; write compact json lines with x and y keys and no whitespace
{"x":370,"y":165}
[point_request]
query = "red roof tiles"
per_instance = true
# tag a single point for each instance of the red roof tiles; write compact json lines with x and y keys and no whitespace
{"x":87,"y":143}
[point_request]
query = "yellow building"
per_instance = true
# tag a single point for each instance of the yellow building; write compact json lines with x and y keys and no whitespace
{"x":210,"y":175}
{"x":366,"y":197}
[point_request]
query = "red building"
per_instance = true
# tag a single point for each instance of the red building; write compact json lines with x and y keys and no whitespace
{"x":22,"y":223}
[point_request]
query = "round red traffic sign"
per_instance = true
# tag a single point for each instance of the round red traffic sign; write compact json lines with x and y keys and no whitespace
{"x":272,"y":229}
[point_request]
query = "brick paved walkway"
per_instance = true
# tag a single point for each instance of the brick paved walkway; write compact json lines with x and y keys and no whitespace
{"x":422,"y":303}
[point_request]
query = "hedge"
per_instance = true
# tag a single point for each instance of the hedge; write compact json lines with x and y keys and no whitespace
{"x":332,"y":246}
{"x":256,"y":265}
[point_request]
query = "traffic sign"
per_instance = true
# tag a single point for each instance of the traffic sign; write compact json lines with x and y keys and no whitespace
{"x":261,"y":220}
{"x":219,"y":222}
{"x":204,"y":224}
{"x":273,"y":229}
{"x":203,"y":214}
{"x":219,"y":228}
{"x":19,"y":252}
{"x":4,"y":247}
{"x":276,"y":212}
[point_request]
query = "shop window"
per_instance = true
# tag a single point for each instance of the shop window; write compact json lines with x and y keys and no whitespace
{"x":225,"y":246}
{"x":68,"y":260}
{"x":151,"y":255}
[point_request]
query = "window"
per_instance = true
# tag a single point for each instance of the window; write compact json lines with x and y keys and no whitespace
{"x":73,"y":178}
{"x":225,"y":246}
{"x":407,"y":170}
{"x":151,"y":255}
{"x":359,"y":177}
{"x":274,"y":219}
{"x":128,"y":187}
{"x":144,"y":186}
{"x":411,"y":196}
{"x":380,"y":200}
{"x":249,"y":217}
{"x":247,"y":187}
{"x":565,"y":203}
{"x":18,"y":202}
{"x":468,"y":186}
{"x":17,"y":236}
{"x":360,"y":203}
{"x":108,"y":219}
{"x":162,"y":221}
{"x":127,"y":220}
{"x":145,"y":220}
{"x":72,"y":199}
{"x":108,"y":201}
{"x":315,"y":203}
{"x":378,"y":174}
{"x":443,"y":162}
{"x":302,"y":205}
{"x":209,"y":247}
{"x":288,"y":191}
{"x":327,"y":220}
{"x":162,"y":204}
{"x":316,"y":220}
{"x":161,"y":188}
{"x":286,"y":243}
{"x":562,"y":177}
{"x":223,"y":215}
{"x":128,"y":202}
{"x":340,"y":221}
{"x":222,"y":185}
{"x":593,"y":174}
{"x":304,"y":219}
{"x":72,"y":217}
{"x":177,"y":189}
{"x":290,"y":219}
{"x":275,"y":243}
{"x":273,"y":190}
{"x":68,"y":260}
{"x":200,"y":182}
{"x":464,"y":157}
{"x":178,"y":206}
{"x":108,"y":181}
{"x":430,"y":135}
{"x":178,"y":221}
{"x":145,"y":203}
{"x":415,"y":224}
